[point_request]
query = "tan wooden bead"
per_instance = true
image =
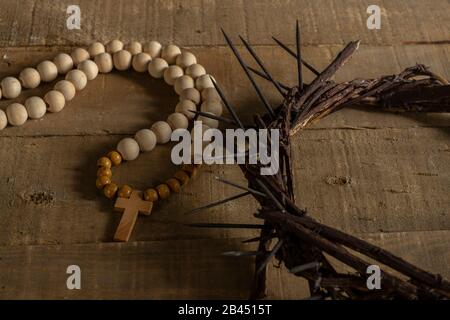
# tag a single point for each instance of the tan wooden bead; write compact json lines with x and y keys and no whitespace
{"x":172,"y":73}
{"x":174,"y":185}
{"x":128,"y":148}
{"x":3,"y":120}
{"x":178,"y":121}
{"x":36,"y":107}
{"x":163,"y":191}
{"x":162,"y":131}
{"x":89,"y":68}
{"x":190,"y":94}
{"x":182,"y":176}
{"x":153,"y":48}
{"x":212,"y":123}
{"x":151,"y":195}
{"x":125,"y":191}
{"x":17,"y":114}
{"x":140,"y":62}
{"x":157,"y":67}
{"x":79,"y":55}
{"x":95,"y":49}
{"x":0,"y":92}
{"x":47,"y":70}
{"x":104,"y":162}
{"x":204,"y":82}
{"x":134,"y":47}
{"x":30,"y":78}
{"x":66,"y":88}
{"x":102,"y":181}
{"x":110,"y":190}
{"x":122,"y":60}
{"x":55,"y":101}
{"x":210,"y":94}
{"x":183,"y":82}
{"x":185,"y":107}
{"x":195,"y":71}
{"x":212,"y":106}
{"x":146,"y":140}
{"x":78,"y":79}
{"x":63,"y":62}
{"x":114,"y":46}
{"x":190,"y":169}
{"x":104,"y":62}
{"x":103,"y":171}
{"x":186,"y":59}
{"x":170,"y":53}
{"x":11,"y":87}
{"x":115,"y":157}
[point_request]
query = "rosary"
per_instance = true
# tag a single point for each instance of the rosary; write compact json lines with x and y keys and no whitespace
{"x":178,"y":68}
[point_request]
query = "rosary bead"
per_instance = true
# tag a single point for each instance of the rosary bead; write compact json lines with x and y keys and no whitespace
{"x":146,"y":139}
{"x":115,"y":157}
{"x":195,"y":71}
{"x":186,"y":59}
{"x":185,"y":107}
{"x":163,"y":191}
{"x":172,"y":73}
{"x":153,"y":48}
{"x":36,"y":107}
{"x":151,"y":195}
{"x":210,"y":94}
{"x":140,"y":62}
{"x":95,"y":49}
{"x":182,"y":176}
{"x":122,"y":60}
{"x":104,"y":162}
{"x":212,"y":106}
{"x":47,"y":70}
{"x":78,"y":79}
{"x":11,"y":87}
{"x":156,"y":67}
{"x":102,"y":181}
{"x":125,"y":191}
{"x":110,"y":190}
{"x":17,"y":114}
{"x":128,"y":148}
{"x":170,"y":53}
{"x":178,"y":121}
{"x":55,"y":101}
{"x":103,"y":171}
{"x":63,"y":62}
{"x":204,"y":82}
{"x":182,"y":83}
{"x":89,"y":68}
{"x":104,"y":62}
{"x":30,"y":78}
{"x":174,"y":185}
{"x":190,"y":169}
{"x":162,"y":131}
{"x":114,"y":46}
{"x":66,"y":88}
{"x":190,"y":94}
{"x":134,"y":47}
{"x":79,"y":55}
{"x":212,"y":123}
{"x":3,"y":120}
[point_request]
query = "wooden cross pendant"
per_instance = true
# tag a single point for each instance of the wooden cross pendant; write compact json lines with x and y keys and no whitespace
{"x":131,"y":208}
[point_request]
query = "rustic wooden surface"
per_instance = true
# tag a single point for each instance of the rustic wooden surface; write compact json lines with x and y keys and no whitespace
{"x":383,"y":177}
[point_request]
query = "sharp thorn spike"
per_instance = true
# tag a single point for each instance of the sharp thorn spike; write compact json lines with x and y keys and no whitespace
{"x":241,"y":253}
{"x":240,"y":187}
{"x":306,"y":266}
{"x":299,"y":57}
{"x":213,"y":116}
{"x":271,"y":195}
{"x":217,"y":203}
{"x":269,"y":256}
{"x":226,"y":225}
{"x":262,"y":75}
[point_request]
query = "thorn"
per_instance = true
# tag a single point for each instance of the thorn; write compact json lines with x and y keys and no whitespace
{"x":262,"y":75}
{"x":240,"y":195}
{"x":299,"y":57}
{"x":241,"y":253}
{"x":240,"y":187}
{"x":312,"y":265}
{"x":251,"y":240}
{"x":213,"y":116}
{"x":226,"y":225}
{"x":269,"y":256}
{"x":271,"y":195}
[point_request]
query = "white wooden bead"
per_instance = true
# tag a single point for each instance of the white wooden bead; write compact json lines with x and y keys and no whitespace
{"x":183,"y":82}
{"x":170,"y":53}
{"x":162,"y":131}
{"x":104,"y":62}
{"x":3,"y":120}
{"x":30,"y":78}
{"x":178,"y":121}
{"x":11,"y":87}
{"x":140,"y":62}
{"x":146,"y":139}
{"x":134,"y":47}
{"x":212,"y":123}
{"x":114,"y":46}
{"x":36,"y":107}
{"x":89,"y":68}
{"x":78,"y":79}
{"x":47,"y":70}
{"x":157,"y":67}
{"x":66,"y":88}
{"x":203,"y":82}
{"x":17,"y":114}
{"x":153,"y":48}
{"x":186,"y":59}
{"x":128,"y":148}
{"x":212,"y":106}
{"x":79,"y":55}
{"x":172,"y":73}
{"x":210,"y":94}
{"x":63,"y":62}
{"x":190,"y":94}
{"x":95,"y":49}
{"x":195,"y":71}
{"x":185,"y":107}
{"x":122,"y":60}
{"x":55,"y":101}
